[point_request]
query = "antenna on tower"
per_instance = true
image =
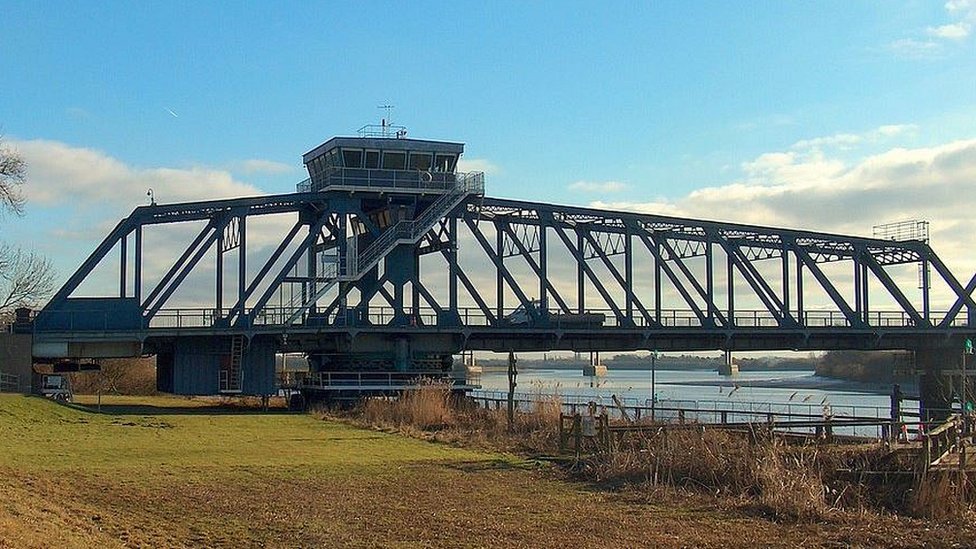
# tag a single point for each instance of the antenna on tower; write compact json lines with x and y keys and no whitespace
{"x":386,"y":128}
{"x":388,"y":121}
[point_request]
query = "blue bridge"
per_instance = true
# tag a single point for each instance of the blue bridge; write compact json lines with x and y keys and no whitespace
{"x":389,"y":261}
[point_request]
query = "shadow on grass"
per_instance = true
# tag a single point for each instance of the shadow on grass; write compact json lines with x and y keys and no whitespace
{"x":150,"y":410}
{"x":488,"y":465}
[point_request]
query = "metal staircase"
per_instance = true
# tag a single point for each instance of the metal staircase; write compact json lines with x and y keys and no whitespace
{"x":404,"y":232}
{"x":232,"y":378}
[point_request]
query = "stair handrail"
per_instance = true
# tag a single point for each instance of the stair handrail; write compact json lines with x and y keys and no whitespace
{"x":404,"y":230}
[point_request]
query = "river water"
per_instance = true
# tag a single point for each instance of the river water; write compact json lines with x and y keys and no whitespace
{"x":801,"y":391}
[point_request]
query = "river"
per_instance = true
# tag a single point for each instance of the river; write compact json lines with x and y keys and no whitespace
{"x":802,"y":390}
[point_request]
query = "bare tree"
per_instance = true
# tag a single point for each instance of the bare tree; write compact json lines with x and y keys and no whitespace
{"x":26,"y":277}
{"x":13,"y":174}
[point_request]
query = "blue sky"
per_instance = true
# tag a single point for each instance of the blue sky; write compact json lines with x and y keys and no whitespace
{"x":647,"y":106}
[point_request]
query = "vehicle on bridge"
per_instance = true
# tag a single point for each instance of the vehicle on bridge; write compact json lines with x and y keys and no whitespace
{"x":522,"y":316}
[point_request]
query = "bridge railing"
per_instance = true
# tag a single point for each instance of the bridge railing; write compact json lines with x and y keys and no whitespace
{"x":357,"y":380}
{"x":876,"y":418}
{"x":203,"y":317}
{"x":343,"y":178}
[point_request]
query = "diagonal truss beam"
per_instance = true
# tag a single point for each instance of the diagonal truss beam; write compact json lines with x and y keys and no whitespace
{"x":178,"y":265}
{"x":238,"y":308}
{"x":527,"y":255}
{"x":828,"y":286}
{"x":301,"y":250}
{"x":577,"y":253}
{"x":624,"y":284}
{"x":964,"y":296}
{"x":659,"y":260}
{"x":756,"y":282}
{"x":472,"y":290}
{"x":480,"y":237}
{"x":894,"y":290}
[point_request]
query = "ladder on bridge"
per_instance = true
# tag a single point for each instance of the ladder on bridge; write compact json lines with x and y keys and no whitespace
{"x":403,"y":232}
{"x":231,"y":378}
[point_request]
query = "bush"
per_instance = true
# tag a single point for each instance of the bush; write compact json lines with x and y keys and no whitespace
{"x":118,"y":376}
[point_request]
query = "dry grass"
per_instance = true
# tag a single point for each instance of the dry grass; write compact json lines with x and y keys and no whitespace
{"x":430,"y":411}
{"x":787,"y":482}
{"x":943,"y":495}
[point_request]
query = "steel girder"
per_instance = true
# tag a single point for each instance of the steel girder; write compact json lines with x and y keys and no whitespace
{"x":708,"y":269}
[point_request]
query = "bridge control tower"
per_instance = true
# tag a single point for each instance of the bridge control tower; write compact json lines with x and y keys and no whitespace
{"x":393,"y":191}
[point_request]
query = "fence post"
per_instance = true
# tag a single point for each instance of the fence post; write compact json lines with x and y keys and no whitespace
{"x":896,"y":397}
{"x":578,"y":431}
{"x":562,"y":432}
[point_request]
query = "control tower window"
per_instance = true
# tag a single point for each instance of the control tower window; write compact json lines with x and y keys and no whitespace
{"x":444,"y":162}
{"x":420,"y":161}
{"x":372,"y":160}
{"x":394,"y":160}
{"x":352,"y":158}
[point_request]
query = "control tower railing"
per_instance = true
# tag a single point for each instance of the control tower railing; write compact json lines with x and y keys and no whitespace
{"x":386,"y":180}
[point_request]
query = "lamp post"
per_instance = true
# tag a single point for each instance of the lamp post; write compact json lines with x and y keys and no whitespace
{"x":653,"y":388}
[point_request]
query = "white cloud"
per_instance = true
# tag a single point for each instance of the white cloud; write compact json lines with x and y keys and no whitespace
{"x":60,"y":174}
{"x":822,"y":193}
{"x":851,"y":140}
{"x":962,"y":18}
{"x":477,"y":165}
{"x":952,"y":31}
{"x":598,"y":186}
{"x":259,"y":166}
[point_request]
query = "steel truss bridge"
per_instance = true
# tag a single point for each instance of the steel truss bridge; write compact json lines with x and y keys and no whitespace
{"x":400,"y":277}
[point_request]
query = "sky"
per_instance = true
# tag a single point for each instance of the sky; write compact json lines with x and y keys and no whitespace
{"x":832,"y":115}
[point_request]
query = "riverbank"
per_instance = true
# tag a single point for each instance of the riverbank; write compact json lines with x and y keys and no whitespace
{"x":177,"y":472}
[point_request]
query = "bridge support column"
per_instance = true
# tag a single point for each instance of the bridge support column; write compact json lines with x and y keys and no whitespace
{"x":934,"y":365}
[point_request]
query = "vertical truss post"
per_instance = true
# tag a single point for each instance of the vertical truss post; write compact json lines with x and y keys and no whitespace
{"x":858,"y":302}
{"x":710,"y":280}
{"x":415,"y":285}
{"x":311,"y":270}
{"x":137,"y":268}
{"x":543,"y":269}
{"x":926,"y":309}
{"x":786,"y":281}
{"x":397,"y":301}
{"x":122,"y":265}
{"x":864,"y":291}
{"x":499,"y":272}
{"x":452,"y":265}
{"x":219,"y":282}
{"x":657,"y":280}
{"x":580,"y":280}
{"x":242,"y":264}
{"x":800,"y":316}
{"x":629,"y":274}
{"x":730,"y":282}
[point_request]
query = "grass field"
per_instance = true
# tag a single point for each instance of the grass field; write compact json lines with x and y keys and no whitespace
{"x":170,"y":472}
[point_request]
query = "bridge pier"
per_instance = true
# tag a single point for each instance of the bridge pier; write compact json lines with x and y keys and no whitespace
{"x":935,"y":366}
